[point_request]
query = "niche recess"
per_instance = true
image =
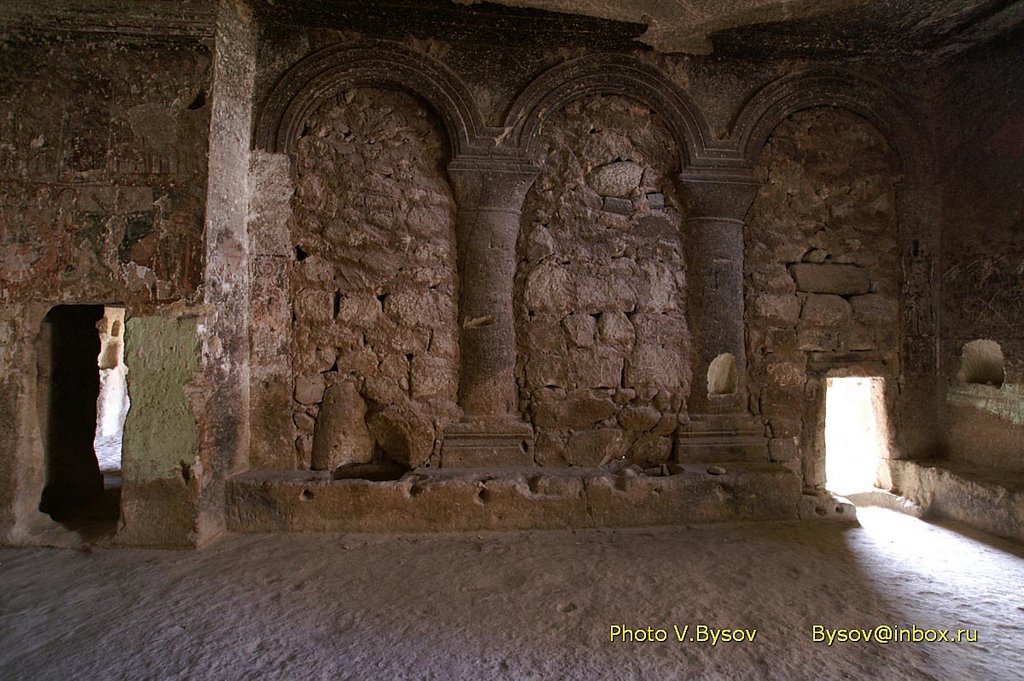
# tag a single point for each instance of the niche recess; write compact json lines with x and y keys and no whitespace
{"x":982,"y":363}
{"x":722,"y":375}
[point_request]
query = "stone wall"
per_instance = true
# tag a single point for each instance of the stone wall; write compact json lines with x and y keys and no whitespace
{"x":983,"y":257}
{"x":320,"y":281}
{"x":373,"y":286}
{"x":103,"y":166}
{"x":604,"y":367}
{"x":822,"y":275}
{"x":102,"y":169}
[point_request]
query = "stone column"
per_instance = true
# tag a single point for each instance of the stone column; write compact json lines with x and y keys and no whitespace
{"x":713,"y":233}
{"x":491,"y":433}
{"x":922,"y":393}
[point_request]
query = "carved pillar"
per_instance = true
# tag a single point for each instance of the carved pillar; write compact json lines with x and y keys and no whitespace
{"x":922,"y":391}
{"x":713,"y":229}
{"x":491,"y":433}
{"x":720,"y":427}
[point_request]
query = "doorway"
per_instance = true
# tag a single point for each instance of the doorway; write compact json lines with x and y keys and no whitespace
{"x":855,"y":433}
{"x":82,"y":404}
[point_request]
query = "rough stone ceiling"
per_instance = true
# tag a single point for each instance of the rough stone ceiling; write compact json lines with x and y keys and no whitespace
{"x":792,"y":26}
{"x":893,"y":29}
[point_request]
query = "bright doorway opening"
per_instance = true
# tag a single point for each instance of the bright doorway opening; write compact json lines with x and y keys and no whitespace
{"x":82,"y":404}
{"x":112,"y":403}
{"x":856,"y":433}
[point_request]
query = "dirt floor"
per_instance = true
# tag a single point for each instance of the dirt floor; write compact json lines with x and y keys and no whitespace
{"x":526,"y":605}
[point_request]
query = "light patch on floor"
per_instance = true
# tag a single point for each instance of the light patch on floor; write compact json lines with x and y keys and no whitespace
{"x":521,"y":605}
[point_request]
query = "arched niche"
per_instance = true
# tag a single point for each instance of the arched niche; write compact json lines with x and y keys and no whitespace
{"x":615,"y":74}
{"x":822,"y":271}
{"x":780,"y":99}
{"x":373,"y":286}
{"x":600,"y":294}
{"x":333,"y":69}
{"x":905,"y":129}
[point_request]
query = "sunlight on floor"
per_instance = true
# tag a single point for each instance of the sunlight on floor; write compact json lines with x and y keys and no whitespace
{"x":936,"y":550}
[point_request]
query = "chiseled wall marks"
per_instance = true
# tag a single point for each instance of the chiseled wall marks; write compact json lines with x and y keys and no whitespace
{"x":822,"y":274}
{"x":604,"y":366}
{"x":982,"y":253}
{"x":373,"y":285}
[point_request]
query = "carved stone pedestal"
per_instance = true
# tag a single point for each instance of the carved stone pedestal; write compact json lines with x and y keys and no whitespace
{"x":487,"y":442}
{"x":721,"y":437}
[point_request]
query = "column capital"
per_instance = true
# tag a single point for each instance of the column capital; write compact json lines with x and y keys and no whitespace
{"x":499,"y":183}
{"x":717,"y":195}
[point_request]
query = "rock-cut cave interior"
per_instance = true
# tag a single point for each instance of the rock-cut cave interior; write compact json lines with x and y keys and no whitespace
{"x":512,"y":339}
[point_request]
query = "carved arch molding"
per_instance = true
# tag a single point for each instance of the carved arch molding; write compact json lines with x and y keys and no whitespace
{"x":327,"y":72}
{"x":490,"y":171}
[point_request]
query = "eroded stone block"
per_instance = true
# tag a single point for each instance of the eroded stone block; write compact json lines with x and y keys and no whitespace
{"x":341,"y":436}
{"x":309,"y":388}
{"x":617,"y":179}
{"x":843,"y":280}
{"x":825,"y":310}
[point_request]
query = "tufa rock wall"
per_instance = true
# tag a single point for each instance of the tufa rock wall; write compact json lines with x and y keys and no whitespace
{"x":373,"y":285}
{"x":822,"y":275}
{"x":102,"y":170}
{"x":603,"y":363}
{"x":983,"y":256}
{"x":103,"y":167}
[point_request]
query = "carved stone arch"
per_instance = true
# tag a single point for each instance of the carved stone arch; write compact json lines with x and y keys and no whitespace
{"x":330,"y":70}
{"x":905,"y":130}
{"x":782,"y":98}
{"x":616,"y":75}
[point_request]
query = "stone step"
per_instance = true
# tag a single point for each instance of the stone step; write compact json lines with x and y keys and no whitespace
{"x":510,"y":499}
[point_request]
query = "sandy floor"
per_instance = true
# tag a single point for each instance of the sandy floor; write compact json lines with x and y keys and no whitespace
{"x":520,"y":605}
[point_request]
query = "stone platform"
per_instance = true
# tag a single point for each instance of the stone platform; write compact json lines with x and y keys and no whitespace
{"x":987,"y":498}
{"x":510,"y":499}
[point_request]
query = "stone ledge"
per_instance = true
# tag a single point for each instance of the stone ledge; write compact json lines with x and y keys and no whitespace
{"x":527,"y":498}
{"x":986,"y":498}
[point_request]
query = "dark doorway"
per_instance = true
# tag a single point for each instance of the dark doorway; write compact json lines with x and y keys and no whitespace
{"x":69,"y":386}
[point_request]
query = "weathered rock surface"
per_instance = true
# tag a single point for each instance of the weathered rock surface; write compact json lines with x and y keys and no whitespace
{"x":340,"y":435}
{"x":844,"y":280}
{"x":606,"y":323}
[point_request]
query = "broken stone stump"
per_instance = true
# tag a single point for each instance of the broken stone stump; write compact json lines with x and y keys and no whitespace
{"x":403,"y":435}
{"x":341,"y":436}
